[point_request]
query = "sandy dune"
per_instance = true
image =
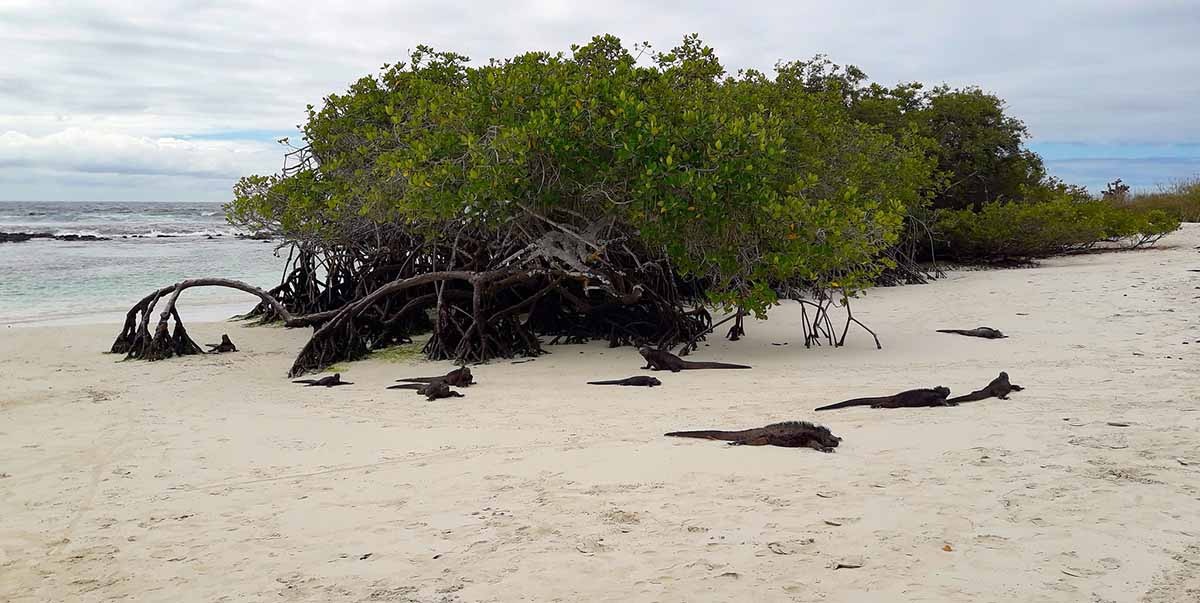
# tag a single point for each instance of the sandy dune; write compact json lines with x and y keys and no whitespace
{"x":214,"y":479}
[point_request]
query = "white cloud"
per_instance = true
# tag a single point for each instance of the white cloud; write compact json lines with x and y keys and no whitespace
{"x":89,"y":151}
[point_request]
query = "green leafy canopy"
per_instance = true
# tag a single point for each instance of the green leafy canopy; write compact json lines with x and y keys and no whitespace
{"x":746,"y":180}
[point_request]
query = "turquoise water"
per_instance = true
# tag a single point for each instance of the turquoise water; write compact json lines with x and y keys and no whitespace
{"x":47,"y":281}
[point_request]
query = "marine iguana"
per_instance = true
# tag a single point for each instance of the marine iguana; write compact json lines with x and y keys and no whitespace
{"x":432,"y":390}
{"x":459,"y":377}
{"x":226,"y":345}
{"x":984,"y":332}
{"x":330,"y":381}
{"x":907,"y":399}
{"x":640,"y":380}
{"x":999,"y":388}
{"x":657,"y":360}
{"x":789,"y":434}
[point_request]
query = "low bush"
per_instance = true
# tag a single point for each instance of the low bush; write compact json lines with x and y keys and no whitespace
{"x":1180,"y":200}
{"x":1023,"y":230}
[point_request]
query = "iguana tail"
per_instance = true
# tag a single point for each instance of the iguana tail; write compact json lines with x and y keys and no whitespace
{"x":609,"y":382}
{"x":971,"y":397}
{"x":417,"y":379}
{"x":705,"y":435}
{"x":712,"y":365}
{"x":854,"y":402}
{"x":407,"y":386}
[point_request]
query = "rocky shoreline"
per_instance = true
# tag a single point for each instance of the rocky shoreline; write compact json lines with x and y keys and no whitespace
{"x":21,"y":237}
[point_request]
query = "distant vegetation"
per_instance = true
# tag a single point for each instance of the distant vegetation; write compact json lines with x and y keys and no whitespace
{"x":1180,"y":200}
{"x":989,"y":199}
{"x":1016,"y":231}
{"x":618,"y":194}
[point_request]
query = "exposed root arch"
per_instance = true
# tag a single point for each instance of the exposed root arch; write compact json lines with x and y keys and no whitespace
{"x":338,"y":339}
{"x":136,"y":340}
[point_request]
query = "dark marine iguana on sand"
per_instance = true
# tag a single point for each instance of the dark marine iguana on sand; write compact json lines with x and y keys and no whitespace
{"x":984,"y":332}
{"x":640,"y":380}
{"x":908,"y":399}
{"x":330,"y":381}
{"x":226,"y":345}
{"x":432,"y":390}
{"x":789,"y":434}
{"x":658,"y":360}
{"x":459,"y":377}
{"x":998,"y":388}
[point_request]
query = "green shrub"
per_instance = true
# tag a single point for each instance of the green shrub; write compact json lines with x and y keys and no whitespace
{"x":743,"y":181}
{"x":1180,"y":200}
{"x":1008,"y":231}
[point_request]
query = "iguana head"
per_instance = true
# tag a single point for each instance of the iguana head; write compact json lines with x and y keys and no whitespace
{"x":826,"y":437}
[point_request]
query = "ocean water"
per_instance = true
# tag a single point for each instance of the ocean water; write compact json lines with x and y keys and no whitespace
{"x":152,"y":245}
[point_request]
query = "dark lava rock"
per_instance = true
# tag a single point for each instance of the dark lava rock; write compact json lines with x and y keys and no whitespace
{"x":21,"y":237}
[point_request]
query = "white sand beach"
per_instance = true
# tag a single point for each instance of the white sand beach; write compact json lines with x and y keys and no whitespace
{"x":214,"y":478}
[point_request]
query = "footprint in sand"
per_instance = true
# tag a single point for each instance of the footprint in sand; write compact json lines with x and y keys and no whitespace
{"x":618,"y":516}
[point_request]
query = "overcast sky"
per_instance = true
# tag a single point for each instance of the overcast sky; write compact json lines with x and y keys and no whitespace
{"x":175,"y":99}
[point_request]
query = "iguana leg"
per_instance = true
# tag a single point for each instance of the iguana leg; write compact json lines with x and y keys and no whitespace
{"x":749,"y":442}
